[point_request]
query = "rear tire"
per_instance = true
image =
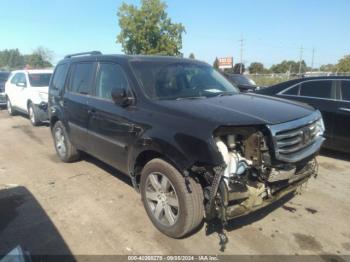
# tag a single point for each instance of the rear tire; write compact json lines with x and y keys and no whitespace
{"x":10,"y":109}
{"x":64,"y":148}
{"x":175,"y":209}
{"x":33,"y":115}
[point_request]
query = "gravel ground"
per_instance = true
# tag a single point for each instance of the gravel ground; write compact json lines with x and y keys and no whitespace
{"x":87,"y":207}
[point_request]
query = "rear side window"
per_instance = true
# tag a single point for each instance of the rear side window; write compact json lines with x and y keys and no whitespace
{"x":321,"y":89}
{"x":81,"y":78}
{"x":292,"y":91}
{"x":345,"y":90}
{"x":59,"y":77}
{"x":110,"y":76}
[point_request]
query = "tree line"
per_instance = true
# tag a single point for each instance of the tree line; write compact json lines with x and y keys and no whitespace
{"x":12,"y":59}
{"x":293,"y":67}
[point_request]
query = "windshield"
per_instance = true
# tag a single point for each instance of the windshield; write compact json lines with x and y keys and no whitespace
{"x":166,"y":80}
{"x":38,"y":80}
{"x":241,"y":80}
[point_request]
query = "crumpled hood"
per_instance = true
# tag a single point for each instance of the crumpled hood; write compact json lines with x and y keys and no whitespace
{"x":238,"y":110}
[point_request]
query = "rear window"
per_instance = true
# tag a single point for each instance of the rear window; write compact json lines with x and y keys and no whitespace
{"x":292,"y":91}
{"x":38,"y":80}
{"x":320,"y":89}
{"x":345,"y":90}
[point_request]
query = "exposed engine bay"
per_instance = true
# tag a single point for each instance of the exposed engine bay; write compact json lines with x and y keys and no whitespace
{"x":250,"y":177}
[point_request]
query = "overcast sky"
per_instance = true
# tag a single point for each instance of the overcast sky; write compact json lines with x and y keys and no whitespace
{"x":272,"y":30}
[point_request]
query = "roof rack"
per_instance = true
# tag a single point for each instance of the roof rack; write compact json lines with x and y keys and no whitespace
{"x":84,"y":53}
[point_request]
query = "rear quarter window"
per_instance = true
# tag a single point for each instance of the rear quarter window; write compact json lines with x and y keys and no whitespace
{"x":59,"y":77}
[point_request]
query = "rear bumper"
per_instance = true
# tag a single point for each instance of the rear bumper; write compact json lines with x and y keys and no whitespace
{"x":42,"y":112}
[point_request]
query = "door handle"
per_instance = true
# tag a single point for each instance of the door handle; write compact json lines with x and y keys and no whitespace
{"x":344,"y":109}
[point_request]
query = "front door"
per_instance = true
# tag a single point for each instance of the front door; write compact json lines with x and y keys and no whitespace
{"x":75,"y":103}
{"x":110,"y":127}
{"x":321,"y":94}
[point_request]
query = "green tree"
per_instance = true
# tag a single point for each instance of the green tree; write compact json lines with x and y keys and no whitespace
{"x":36,"y":61}
{"x":288,"y":66}
{"x":11,"y":59}
{"x":40,"y":58}
{"x":256,"y":68}
{"x":216,"y":63}
{"x":191,"y":56}
{"x":344,"y":64}
{"x":328,"y":68}
{"x":148,"y":30}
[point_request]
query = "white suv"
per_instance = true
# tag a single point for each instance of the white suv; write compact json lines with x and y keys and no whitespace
{"x":27,"y":91}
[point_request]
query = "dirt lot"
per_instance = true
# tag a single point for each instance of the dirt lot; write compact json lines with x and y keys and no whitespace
{"x":89,"y":208}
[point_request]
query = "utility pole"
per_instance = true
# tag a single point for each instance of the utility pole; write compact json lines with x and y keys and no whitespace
{"x":289,"y":70}
{"x":312,"y":59}
{"x":300,"y":59}
{"x":242,"y":43}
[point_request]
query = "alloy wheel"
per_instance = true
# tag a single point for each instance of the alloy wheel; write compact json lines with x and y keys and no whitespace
{"x":60,"y":142}
{"x":162,"y":199}
{"x":9,"y":107}
{"x":31,"y":114}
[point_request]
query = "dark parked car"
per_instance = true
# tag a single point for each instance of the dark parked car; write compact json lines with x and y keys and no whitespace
{"x":330,"y":95}
{"x":3,"y":78}
{"x":190,"y":142}
{"x":244,"y":83}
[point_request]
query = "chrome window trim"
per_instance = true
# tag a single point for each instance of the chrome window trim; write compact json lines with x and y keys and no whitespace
{"x":288,"y":88}
{"x":327,"y":99}
{"x":306,"y":81}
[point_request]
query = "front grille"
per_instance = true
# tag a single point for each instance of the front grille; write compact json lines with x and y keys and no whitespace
{"x":297,"y":139}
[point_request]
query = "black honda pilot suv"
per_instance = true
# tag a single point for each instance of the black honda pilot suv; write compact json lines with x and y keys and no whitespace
{"x":193,"y":146}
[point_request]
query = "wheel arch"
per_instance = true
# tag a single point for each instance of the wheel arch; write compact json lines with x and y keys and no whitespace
{"x":144,"y":157}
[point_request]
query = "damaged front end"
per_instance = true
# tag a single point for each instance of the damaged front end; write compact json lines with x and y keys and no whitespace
{"x":260,"y":165}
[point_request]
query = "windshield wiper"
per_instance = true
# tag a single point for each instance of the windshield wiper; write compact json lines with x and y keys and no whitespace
{"x":222,"y":94}
{"x":191,"y":97}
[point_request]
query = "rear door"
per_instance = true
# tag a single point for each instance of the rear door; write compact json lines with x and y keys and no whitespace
{"x":342,"y":119}
{"x":110,"y":128}
{"x":75,"y":102}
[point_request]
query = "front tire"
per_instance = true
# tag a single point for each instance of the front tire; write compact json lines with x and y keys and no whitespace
{"x":64,"y":148}
{"x":175,"y":209}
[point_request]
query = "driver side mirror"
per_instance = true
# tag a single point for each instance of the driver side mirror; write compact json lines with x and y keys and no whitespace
{"x":21,"y":84}
{"x":121,"y":97}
